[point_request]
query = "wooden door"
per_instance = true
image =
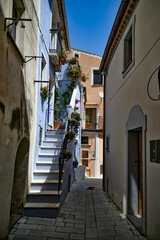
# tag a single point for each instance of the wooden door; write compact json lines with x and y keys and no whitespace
{"x":140,"y":183}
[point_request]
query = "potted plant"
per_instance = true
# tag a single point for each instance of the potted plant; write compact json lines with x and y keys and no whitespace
{"x":70,"y":135}
{"x":77,"y":101}
{"x":73,"y":61}
{"x":66,"y":94}
{"x":45,"y":92}
{"x":66,"y":155}
{"x":74,"y":73}
{"x":87,"y":124}
{"x":63,"y":57}
{"x":76,"y":116}
{"x":73,"y":124}
{"x":83,"y":78}
{"x":57,"y":109}
{"x":76,"y":108}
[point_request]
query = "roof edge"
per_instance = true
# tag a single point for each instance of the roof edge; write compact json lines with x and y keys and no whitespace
{"x":118,"y":20}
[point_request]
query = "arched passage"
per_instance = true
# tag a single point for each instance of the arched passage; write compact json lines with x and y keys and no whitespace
{"x":20,"y":177}
{"x":136,"y":168}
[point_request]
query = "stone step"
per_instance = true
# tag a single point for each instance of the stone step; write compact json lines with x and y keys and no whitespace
{"x":55,"y":143}
{"x":44,"y":193}
{"x":47,"y":165}
{"x":49,"y":150}
{"x":42,"y":205}
{"x":45,"y":185}
{"x":41,"y":209}
{"x":55,"y":137}
{"x":44,"y":196}
{"x":48,"y":157}
{"x":46,"y":175}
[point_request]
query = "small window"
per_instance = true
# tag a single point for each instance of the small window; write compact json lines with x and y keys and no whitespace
{"x":84,"y":154}
{"x":108,"y":142}
{"x":14,"y":15}
{"x":97,"y":78}
{"x":17,"y":11}
{"x":76,"y":55}
{"x":129,"y":49}
{"x":155,"y":151}
{"x":85,"y":163}
{"x":84,"y":140}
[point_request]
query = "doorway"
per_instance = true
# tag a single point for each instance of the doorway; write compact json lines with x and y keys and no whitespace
{"x":135,"y":176}
{"x":136,"y":168}
{"x":19,"y":188}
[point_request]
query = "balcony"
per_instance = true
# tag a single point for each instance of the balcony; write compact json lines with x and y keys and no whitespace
{"x":96,"y":124}
{"x":55,"y":48}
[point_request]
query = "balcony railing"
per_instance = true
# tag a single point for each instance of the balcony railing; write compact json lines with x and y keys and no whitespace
{"x":55,"y":48}
{"x":96,"y":124}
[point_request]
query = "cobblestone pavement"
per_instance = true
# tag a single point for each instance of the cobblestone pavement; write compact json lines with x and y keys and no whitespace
{"x":87,"y":213}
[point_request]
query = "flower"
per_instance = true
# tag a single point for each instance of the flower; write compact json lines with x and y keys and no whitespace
{"x":70,"y":135}
{"x":77,"y":101}
{"x":83,"y":78}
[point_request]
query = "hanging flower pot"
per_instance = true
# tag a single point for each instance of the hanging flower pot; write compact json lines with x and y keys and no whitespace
{"x":62,"y":60}
{"x":62,"y":57}
{"x":45,"y":92}
{"x":76,"y":108}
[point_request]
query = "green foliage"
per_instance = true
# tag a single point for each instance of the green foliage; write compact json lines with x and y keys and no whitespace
{"x":87,"y":119}
{"x":62,"y":54}
{"x":73,"y":61}
{"x":84,"y":78}
{"x":57,"y":105}
{"x":66,"y":154}
{"x":45,"y":92}
{"x":66,"y":94}
{"x":76,"y":116}
{"x":73,"y":123}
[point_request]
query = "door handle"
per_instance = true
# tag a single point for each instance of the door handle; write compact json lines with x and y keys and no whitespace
{"x":137,"y":161}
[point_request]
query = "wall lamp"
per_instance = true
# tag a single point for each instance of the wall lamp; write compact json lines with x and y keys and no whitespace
{"x":148,"y":85}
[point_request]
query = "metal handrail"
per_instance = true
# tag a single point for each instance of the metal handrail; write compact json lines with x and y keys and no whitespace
{"x":61,"y":160}
{"x":97,"y":123}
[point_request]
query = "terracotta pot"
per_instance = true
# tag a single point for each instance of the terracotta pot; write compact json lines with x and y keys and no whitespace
{"x":88,"y":125}
{"x":57,"y":125}
{"x":62,"y":60}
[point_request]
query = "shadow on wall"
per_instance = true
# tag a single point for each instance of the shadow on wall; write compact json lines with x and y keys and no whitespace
{"x":20,"y":177}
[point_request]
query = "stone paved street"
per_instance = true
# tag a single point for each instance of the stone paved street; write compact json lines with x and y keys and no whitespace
{"x":87,"y":213}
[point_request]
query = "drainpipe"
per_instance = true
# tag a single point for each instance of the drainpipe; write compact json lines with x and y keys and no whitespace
{"x":104,"y":127}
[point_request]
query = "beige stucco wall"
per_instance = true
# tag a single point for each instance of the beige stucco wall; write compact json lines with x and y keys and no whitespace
{"x":17,"y":100}
{"x":121,"y":95}
{"x":88,"y":62}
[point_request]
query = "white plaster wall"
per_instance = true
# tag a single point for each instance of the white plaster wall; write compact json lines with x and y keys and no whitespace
{"x":122,"y":94}
{"x":17,"y":91}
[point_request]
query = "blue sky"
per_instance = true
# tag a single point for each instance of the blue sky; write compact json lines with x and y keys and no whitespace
{"x":90,"y":23}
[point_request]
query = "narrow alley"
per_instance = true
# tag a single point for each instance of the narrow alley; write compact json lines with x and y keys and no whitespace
{"x":87,"y":213}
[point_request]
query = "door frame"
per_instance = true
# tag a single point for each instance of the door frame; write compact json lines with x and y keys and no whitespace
{"x":137,"y":120}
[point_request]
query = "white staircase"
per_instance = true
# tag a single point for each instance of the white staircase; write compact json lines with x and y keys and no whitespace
{"x":44,"y":199}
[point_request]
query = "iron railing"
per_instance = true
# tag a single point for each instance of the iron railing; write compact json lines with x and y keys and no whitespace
{"x":62,"y":115}
{"x":96,"y":124}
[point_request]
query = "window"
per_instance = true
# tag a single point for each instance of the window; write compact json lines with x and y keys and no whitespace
{"x":17,"y":11}
{"x":14,"y":15}
{"x":129,"y":55}
{"x":84,"y":154}
{"x":85,"y":163}
{"x":97,"y":78}
{"x":43,"y":69}
{"x":108,"y":142}
{"x":84,"y":140}
{"x":76,"y":55}
{"x":155,"y":151}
